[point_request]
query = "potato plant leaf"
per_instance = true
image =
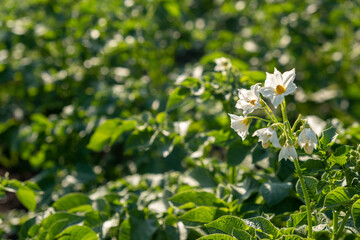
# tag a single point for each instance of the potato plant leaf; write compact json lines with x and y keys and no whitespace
{"x":103,"y":134}
{"x":340,"y":196}
{"x":273,"y":193}
{"x":236,"y":153}
{"x":27,"y":197}
{"x":297,"y":219}
{"x":311,"y":186}
{"x":201,"y":215}
{"x":71,"y":201}
{"x":340,"y":160}
{"x":199,"y":198}
{"x":227,"y":224}
{"x":263,"y":225}
{"x":77,"y":233}
{"x":355,"y":211}
{"x":328,"y":138}
{"x":218,"y":236}
{"x":177,"y":97}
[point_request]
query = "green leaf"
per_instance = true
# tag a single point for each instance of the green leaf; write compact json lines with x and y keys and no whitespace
{"x":140,"y":140}
{"x":297,"y":219}
{"x":340,"y":160}
{"x":355,"y":211}
{"x":173,"y":8}
{"x":236,"y":153}
{"x":328,"y":138}
{"x":125,"y":230}
{"x":77,"y":233}
{"x":342,"y":150}
{"x":201,"y":215}
{"x":142,"y":228}
{"x":27,"y":197}
{"x":24,"y":230}
{"x":71,"y":200}
{"x":177,"y":97}
{"x":103,"y":134}
{"x":241,"y":234}
{"x":291,"y":237}
{"x":313,"y":165}
{"x":55,"y":223}
{"x":227,"y":224}
{"x":218,"y":236}
{"x":264,"y":225}
{"x":125,"y":126}
{"x":273,"y":193}
{"x":311,"y":186}
{"x":203,"y":177}
{"x":199,"y":198}
{"x":340,"y":196}
{"x":255,"y":76}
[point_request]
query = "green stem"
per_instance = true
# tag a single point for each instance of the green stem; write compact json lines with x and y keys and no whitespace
{"x":296,"y":123}
{"x":232,"y":174}
{"x":335,"y":223}
{"x":306,"y":197}
{"x":259,"y":118}
{"x":342,"y":226}
{"x":283,"y":111}
{"x":269,"y":111}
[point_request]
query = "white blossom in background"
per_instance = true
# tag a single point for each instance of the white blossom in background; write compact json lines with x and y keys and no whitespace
{"x":308,"y":140}
{"x":240,"y":124}
{"x":278,"y":85}
{"x":288,"y":152}
{"x":267,"y":135}
{"x":249,"y":100}
{"x":222,"y":65}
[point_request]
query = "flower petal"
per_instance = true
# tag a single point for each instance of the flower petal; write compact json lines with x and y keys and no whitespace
{"x":277,"y":100}
{"x":288,"y":76}
{"x":267,"y":91}
{"x":290,"y":88}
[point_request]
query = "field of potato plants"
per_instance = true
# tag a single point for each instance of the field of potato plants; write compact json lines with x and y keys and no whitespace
{"x":179,"y":120}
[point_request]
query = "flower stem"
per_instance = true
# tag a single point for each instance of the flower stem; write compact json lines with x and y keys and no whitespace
{"x":232,"y":174}
{"x":306,"y":197}
{"x":342,"y":226}
{"x":296,"y":123}
{"x":269,"y":111}
{"x":335,"y":223}
{"x":283,"y":111}
{"x":259,"y":118}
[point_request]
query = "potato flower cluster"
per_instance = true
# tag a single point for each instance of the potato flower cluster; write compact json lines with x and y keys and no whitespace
{"x":277,"y":86}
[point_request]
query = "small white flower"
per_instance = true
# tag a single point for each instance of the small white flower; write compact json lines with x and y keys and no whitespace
{"x":249,"y":99}
{"x":222,"y":65}
{"x":278,"y":85}
{"x":288,"y":152}
{"x":308,"y":140}
{"x":267,"y":135}
{"x":240,"y":125}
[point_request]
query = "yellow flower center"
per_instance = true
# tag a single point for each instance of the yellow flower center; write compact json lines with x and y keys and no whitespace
{"x":245,"y":121}
{"x":280,"y":89}
{"x":253,"y":102}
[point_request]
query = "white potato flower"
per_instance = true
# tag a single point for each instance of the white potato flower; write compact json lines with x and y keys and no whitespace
{"x":278,"y":85}
{"x":222,"y":65}
{"x":308,"y":140}
{"x":288,"y":152}
{"x":240,"y":125}
{"x":267,"y":135}
{"x":249,"y":100}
